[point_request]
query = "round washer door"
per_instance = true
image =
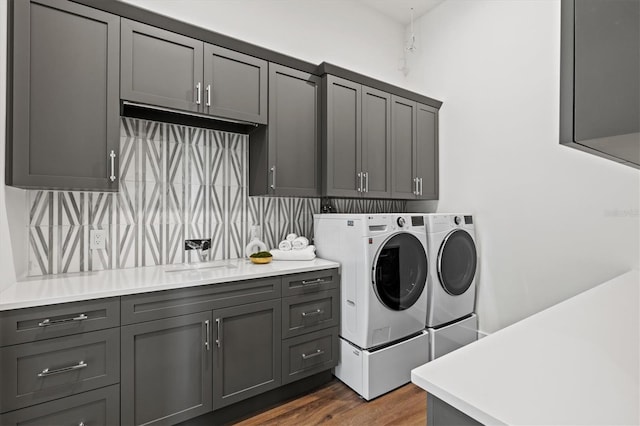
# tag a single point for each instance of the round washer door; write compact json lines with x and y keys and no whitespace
{"x":457,"y":261}
{"x":400,"y":272}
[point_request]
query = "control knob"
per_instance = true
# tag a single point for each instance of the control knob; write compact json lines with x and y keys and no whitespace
{"x":401,"y":222}
{"x":457,"y":220}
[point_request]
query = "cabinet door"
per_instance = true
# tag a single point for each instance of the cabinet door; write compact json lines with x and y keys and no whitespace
{"x":160,"y":68}
{"x":64,"y":98}
{"x":235,"y":85}
{"x":246,"y":352}
{"x":403,"y":137}
{"x":166,"y":370}
{"x":294,"y":132}
{"x":426,"y":160}
{"x":343,"y":121}
{"x":376,"y":143}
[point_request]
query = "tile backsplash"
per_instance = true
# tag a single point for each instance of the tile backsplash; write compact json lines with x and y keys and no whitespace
{"x":176,"y":182}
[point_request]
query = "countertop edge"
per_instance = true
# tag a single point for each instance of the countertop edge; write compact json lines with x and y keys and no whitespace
{"x":16,"y":297}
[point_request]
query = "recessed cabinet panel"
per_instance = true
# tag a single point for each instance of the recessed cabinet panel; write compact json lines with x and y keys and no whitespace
{"x":166,"y":370}
{"x":160,"y":68}
{"x":246,"y":352}
{"x":235,"y":85}
{"x":285,"y":157}
{"x":343,"y":137}
{"x":65,"y":112}
{"x":376,"y":142}
{"x":427,"y":152}
{"x":403,"y":136}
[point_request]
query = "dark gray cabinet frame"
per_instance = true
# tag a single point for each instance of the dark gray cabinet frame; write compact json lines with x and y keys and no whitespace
{"x":285,"y":156}
{"x":600,"y":84}
{"x":62,"y":124}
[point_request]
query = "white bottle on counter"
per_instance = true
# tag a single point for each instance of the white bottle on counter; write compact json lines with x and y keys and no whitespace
{"x":255,"y":244}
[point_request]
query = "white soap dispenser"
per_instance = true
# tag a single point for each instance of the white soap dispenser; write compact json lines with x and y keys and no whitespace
{"x":255,"y":244}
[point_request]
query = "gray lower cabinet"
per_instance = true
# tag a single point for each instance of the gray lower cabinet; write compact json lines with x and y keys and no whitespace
{"x":100,"y":407}
{"x":247,"y":351}
{"x":166,"y":370}
{"x":284,"y":157}
{"x":163,"y":69}
{"x":63,"y":123}
{"x":357,"y":140}
{"x":414,"y":141}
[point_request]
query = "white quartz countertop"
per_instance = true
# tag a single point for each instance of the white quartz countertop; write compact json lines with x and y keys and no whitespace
{"x":64,"y":288}
{"x":576,"y":363}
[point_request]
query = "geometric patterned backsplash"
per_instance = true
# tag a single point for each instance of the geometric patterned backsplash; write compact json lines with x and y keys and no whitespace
{"x":176,"y":182}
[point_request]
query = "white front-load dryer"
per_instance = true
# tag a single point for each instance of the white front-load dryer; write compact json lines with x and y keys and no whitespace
{"x":453,"y":260}
{"x":384,"y":269}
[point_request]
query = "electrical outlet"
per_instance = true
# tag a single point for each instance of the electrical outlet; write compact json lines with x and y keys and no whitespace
{"x":97,"y":239}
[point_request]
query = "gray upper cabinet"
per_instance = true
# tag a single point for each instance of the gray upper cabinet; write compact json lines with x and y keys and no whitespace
{"x":414,"y":129}
{"x":235,"y":85}
{"x":168,"y":70}
{"x":285,"y":156}
{"x":160,"y":68}
{"x":357,"y":144}
{"x":166,"y":370}
{"x":342,"y":144}
{"x":600,"y":78}
{"x":426,"y":156}
{"x":376,"y":143}
{"x":63,"y":121}
{"x":246,"y":349}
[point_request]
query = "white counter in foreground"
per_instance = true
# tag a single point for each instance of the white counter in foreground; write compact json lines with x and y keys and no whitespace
{"x":576,"y":363}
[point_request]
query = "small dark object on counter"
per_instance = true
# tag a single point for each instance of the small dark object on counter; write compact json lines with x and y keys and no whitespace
{"x":261,"y":254}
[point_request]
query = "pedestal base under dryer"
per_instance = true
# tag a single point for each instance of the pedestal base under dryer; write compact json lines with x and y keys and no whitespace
{"x":445,"y":339}
{"x":372,"y":374}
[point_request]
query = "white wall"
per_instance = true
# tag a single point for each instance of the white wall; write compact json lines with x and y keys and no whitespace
{"x":551,"y":221}
{"x":341,"y":32}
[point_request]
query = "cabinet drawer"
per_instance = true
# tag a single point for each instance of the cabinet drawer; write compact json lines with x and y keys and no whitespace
{"x":312,"y":312}
{"x":309,"y":282}
{"x":100,"y":407}
{"x":170,"y":303}
{"x":42,"y":371}
{"x":45,"y":322}
{"x":308,"y":354}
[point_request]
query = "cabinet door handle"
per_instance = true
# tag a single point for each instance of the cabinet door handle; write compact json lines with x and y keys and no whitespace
{"x":198,"y":94}
{"x":359,"y":179}
{"x":112,"y":156}
{"x":312,"y":313}
{"x":218,"y":335}
{"x":313,"y":282}
{"x":208,"y":95}
{"x":366,"y":181}
{"x":415,"y":184}
{"x":207,"y":331}
{"x":273,"y":177}
{"x":313,"y":355}
{"x":420,"y":187}
{"x":46,"y":372}
{"x":48,"y":322}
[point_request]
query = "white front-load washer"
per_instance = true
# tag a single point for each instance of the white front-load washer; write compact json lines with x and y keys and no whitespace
{"x":383,"y":297}
{"x":453,"y":260}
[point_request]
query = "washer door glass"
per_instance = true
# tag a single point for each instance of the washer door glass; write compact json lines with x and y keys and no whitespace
{"x":457,"y":262}
{"x":400,"y":272}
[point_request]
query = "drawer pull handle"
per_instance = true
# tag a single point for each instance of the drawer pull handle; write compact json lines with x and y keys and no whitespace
{"x":312,"y":313}
{"x":48,"y":322}
{"x":312,"y":282}
{"x":206,"y":342}
{"x":313,"y":355}
{"x":46,"y":372}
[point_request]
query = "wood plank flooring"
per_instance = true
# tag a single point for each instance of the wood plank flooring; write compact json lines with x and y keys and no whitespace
{"x":336,"y":404}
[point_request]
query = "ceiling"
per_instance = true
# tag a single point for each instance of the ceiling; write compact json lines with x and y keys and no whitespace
{"x":400,"y":10}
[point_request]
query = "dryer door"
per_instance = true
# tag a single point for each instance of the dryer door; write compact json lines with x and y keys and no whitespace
{"x":457,"y":261}
{"x":400,"y":271}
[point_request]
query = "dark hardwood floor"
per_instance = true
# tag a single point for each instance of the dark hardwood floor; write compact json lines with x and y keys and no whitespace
{"x":336,"y":404}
